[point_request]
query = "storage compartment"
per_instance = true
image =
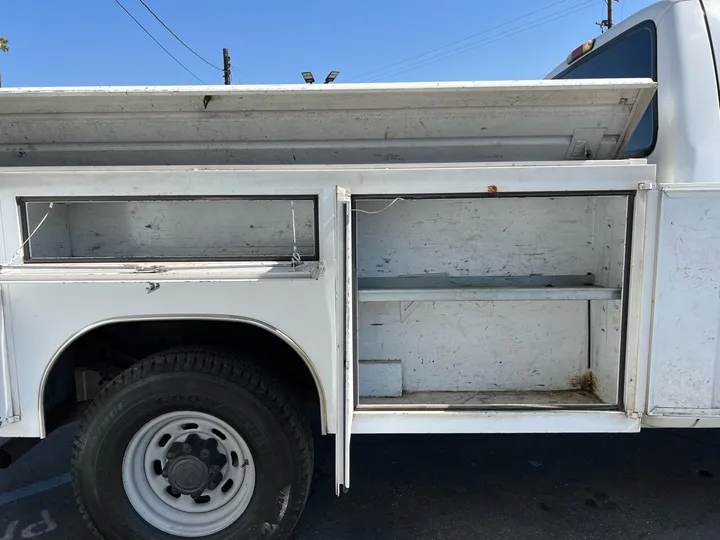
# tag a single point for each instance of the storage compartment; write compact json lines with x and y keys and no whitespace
{"x":118,"y":229}
{"x":491,"y":301}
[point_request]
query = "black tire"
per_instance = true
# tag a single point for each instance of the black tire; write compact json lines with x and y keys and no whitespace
{"x":216,"y":383}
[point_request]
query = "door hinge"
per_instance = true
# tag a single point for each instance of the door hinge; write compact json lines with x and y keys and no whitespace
{"x":585,"y":143}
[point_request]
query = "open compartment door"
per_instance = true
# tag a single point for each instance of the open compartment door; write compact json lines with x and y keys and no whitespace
{"x":7,"y":412}
{"x":346,"y":343}
{"x":438,"y":122}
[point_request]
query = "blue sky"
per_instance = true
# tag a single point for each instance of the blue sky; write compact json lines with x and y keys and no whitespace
{"x":93,"y":42}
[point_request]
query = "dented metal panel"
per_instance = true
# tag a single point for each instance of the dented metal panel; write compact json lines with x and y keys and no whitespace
{"x":328,"y":124}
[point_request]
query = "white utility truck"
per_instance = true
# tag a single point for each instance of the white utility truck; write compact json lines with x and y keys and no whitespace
{"x":189,"y":269}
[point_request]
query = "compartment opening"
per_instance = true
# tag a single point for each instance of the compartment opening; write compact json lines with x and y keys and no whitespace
{"x":120,"y":229}
{"x":491,"y":302}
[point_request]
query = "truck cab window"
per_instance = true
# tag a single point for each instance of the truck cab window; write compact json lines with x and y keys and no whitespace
{"x":630,"y":55}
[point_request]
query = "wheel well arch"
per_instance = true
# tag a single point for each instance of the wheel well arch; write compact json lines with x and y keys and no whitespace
{"x":299,"y":362}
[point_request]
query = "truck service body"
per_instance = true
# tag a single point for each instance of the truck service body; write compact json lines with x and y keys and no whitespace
{"x":184,"y":268}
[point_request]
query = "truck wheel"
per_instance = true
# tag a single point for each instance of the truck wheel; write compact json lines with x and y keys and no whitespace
{"x":192,"y":444}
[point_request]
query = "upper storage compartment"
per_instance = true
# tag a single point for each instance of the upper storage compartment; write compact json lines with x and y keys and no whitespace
{"x":121,"y":229}
{"x":321,"y":124}
{"x":497,"y":248}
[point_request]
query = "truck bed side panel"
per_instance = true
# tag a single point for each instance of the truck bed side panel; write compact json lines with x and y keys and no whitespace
{"x":685,"y":361}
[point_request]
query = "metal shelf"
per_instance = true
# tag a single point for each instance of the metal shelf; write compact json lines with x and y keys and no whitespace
{"x":490,"y":288}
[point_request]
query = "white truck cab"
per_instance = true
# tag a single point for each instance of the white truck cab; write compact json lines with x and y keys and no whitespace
{"x":184,"y":269}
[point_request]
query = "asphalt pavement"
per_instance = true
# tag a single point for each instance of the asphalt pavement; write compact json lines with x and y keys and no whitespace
{"x":658,"y":485}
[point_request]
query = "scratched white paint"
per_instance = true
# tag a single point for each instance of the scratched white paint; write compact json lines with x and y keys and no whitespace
{"x":303,"y":309}
{"x":605,"y":333}
{"x":339,"y":123}
{"x":423,"y":422}
{"x":177,"y":229}
{"x":685,"y":374}
{"x":606,"y":317}
{"x":380,"y":378}
{"x":476,"y":237}
{"x":479,"y":346}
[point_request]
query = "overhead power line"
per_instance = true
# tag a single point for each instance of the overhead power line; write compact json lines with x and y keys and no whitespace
{"x":490,"y":39}
{"x":157,"y":42}
{"x":178,"y":37}
{"x":622,"y":9}
{"x":419,"y":60}
{"x":482,"y":42}
{"x":461,"y":40}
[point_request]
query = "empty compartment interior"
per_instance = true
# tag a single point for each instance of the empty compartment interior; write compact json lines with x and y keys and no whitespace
{"x":490,"y":302}
{"x":171,"y":229}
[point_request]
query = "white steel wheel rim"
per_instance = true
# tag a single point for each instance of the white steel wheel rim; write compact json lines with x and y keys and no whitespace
{"x":182,"y":516}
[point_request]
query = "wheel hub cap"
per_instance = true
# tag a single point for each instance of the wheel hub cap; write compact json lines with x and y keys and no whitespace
{"x":194,"y":466}
{"x":188,"y":475}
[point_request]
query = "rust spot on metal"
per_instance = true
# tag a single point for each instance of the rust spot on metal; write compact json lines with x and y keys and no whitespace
{"x":492,"y":188}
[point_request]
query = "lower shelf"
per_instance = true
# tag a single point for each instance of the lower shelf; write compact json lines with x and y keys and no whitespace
{"x":484,"y":400}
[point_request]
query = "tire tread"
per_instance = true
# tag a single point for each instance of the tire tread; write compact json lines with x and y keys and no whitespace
{"x":227,"y":366}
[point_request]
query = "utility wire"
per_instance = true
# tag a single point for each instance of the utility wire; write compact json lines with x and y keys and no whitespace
{"x":622,"y":9}
{"x":157,"y":42}
{"x":486,"y":41}
{"x":467,"y":38}
{"x":491,"y":39}
{"x":178,"y":37}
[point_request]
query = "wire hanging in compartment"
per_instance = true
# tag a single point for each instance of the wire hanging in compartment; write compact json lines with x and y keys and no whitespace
{"x":378,"y":211}
{"x":296,"y":259}
{"x":36,"y":229}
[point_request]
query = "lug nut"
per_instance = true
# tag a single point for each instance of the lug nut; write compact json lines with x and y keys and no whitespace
{"x":170,"y":455}
{"x":204,"y":453}
{"x":186,"y":448}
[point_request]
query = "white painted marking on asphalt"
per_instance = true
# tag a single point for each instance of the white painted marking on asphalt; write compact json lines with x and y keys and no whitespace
{"x":33,"y":489}
{"x":33,"y":530}
{"x":10,"y":531}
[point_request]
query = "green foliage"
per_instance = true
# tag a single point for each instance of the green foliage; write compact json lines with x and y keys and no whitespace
{"x":4,"y":44}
